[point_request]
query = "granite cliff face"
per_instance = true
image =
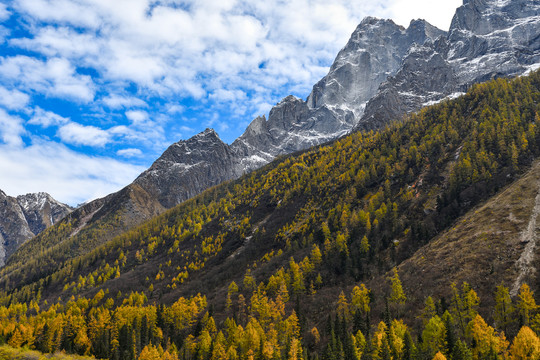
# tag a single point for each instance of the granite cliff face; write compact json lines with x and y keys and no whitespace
{"x":25,"y":216}
{"x":374,"y":52}
{"x":487,"y":39}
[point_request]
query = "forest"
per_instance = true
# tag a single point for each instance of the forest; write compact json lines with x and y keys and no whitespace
{"x":262,"y":327}
{"x":275,"y":264}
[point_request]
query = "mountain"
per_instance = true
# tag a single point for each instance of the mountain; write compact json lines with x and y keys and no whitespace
{"x":383,"y":72}
{"x":336,"y":102}
{"x":487,"y":39}
{"x":372,"y":54}
{"x":188,"y":167}
{"x":25,"y":216}
{"x":362,"y":236}
{"x":415,"y":241}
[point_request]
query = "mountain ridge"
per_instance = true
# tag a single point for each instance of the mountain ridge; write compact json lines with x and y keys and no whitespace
{"x":487,"y":39}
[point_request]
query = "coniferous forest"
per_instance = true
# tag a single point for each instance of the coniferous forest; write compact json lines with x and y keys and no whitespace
{"x":300,"y":259}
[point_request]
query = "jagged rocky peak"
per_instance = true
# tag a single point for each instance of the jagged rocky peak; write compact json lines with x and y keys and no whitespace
{"x":257,"y":126}
{"x":208,"y":133}
{"x":373,"y":53}
{"x":25,"y":216}
{"x":254,"y":146}
{"x":420,"y":30}
{"x":38,"y":200}
{"x":286,"y":115}
{"x":483,"y":17}
{"x":188,"y":167}
{"x":190,"y":151}
{"x":41,"y":210}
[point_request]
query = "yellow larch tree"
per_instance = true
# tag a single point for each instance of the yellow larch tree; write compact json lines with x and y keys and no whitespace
{"x":526,"y":345}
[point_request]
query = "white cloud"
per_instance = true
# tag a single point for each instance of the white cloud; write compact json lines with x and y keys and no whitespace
{"x":68,"y":176}
{"x":13,"y":99}
{"x":224,"y":95}
{"x":137,"y":116}
{"x":4,"y":13}
{"x":78,"y":134}
{"x":118,"y":102}
{"x":11,"y":130}
{"x":129,"y":152}
{"x":54,"y":77}
{"x":4,"y":33}
{"x":187,"y":129}
{"x":77,"y":13}
{"x":175,"y":108}
{"x":47,"y":118}
{"x":61,"y":41}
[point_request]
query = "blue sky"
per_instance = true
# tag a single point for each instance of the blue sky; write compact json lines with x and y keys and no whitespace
{"x":93,"y":91}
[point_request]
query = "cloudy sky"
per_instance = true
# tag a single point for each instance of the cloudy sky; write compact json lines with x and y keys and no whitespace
{"x":93,"y":91}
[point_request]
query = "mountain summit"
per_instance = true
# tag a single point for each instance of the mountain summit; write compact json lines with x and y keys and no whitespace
{"x":487,"y":39}
{"x":25,"y":216}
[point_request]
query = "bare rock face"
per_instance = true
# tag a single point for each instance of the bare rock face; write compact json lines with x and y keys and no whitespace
{"x":487,"y":39}
{"x":424,"y":78}
{"x":25,"y":216}
{"x":375,"y":51}
{"x":188,"y":167}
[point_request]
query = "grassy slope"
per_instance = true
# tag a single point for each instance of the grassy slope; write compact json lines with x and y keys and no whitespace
{"x":481,"y":248}
{"x":9,"y":353}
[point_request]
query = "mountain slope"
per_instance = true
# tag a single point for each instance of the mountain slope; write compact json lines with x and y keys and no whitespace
{"x":397,"y":188}
{"x":25,"y":216}
{"x":271,"y":261}
{"x":188,"y":167}
{"x":383,"y":72}
{"x":483,"y":248}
